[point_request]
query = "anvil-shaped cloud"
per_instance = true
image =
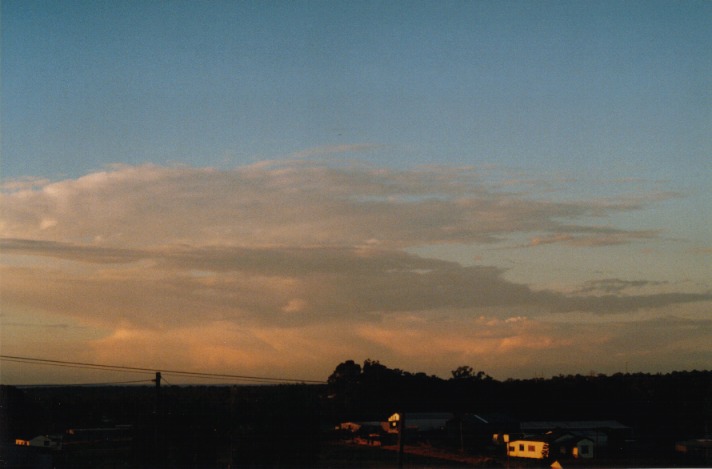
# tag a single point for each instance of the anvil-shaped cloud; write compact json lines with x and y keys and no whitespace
{"x":292,"y":265}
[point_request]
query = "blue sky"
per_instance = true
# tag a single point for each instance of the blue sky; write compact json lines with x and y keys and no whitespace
{"x":569,"y":86}
{"x":565,"y":146}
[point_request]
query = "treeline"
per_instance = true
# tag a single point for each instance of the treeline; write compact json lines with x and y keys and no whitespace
{"x":283,"y":425}
{"x":677,"y":404}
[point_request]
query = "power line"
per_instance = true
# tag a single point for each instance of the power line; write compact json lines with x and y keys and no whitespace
{"x":134,"y":369}
{"x":59,"y":363}
{"x":112,"y":383}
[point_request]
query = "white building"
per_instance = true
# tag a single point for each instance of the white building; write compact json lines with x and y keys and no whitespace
{"x":532,"y":447}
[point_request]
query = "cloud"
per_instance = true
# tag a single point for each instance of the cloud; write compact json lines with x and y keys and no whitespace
{"x":33,"y":325}
{"x":301,"y":263}
{"x":23,"y":184}
{"x":593,"y":236}
{"x":285,"y":244}
{"x":59,"y":250}
{"x":291,"y":203}
{"x":172,"y":286}
{"x":702,"y":250}
{"x":615,"y":285}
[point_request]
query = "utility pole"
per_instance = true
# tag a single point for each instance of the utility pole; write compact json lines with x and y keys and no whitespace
{"x":158,"y":392}
{"x":401,"y":438}
{"x":158,"y":424}
{"x":462,"y":441}
{"x":233,"y":392}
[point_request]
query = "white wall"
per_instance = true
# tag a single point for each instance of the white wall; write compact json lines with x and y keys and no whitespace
{"x":527,"y":449}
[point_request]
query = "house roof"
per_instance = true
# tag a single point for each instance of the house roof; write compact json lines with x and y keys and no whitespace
{"x":422,"y":416}
{"x":538,"y":438}
{"x":570,"y":439}
{"x":572,"y":425}
{"x":489,"y":419}
{"x":557,"y":437}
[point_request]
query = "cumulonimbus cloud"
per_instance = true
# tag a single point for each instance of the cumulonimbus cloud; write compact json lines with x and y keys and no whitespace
{"x":289,"y":203}
{"x":273,"y":249}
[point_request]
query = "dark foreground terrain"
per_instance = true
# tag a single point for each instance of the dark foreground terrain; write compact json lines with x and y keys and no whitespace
{"x":289,"y":426}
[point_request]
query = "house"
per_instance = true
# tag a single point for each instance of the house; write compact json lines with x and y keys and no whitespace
{"x":569,"y":445}
{"x":552,"y":444}
{"x":53,"y":442}
{"x":532,"y":447}
{"x":608,"y":436}
{"x":422,"y":422}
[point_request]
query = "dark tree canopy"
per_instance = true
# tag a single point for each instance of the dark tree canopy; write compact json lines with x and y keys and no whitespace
{"x":467,"y":372}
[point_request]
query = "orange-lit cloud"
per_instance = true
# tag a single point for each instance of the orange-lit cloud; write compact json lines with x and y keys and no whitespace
{"x":611,"y":238}
{"x":285,"y":203}
{"x":293,"y":266}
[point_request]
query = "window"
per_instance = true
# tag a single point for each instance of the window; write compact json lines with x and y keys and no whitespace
{"x":511,"y":448}
{"x":584,"y":449}
{"x":531,"y":448}
{"x":521,"y":446}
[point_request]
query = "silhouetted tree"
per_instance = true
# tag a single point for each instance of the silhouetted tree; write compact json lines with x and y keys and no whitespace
{"x":467,"y":372}
{"x":342,"y":388}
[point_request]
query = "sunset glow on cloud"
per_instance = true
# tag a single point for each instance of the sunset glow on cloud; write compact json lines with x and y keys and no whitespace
{"x":271,"y":198}
{"x":290,"y":266}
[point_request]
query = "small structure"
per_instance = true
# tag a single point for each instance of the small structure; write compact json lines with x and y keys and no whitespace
{"x":365,"y":433}
{"x":422,"y":422}
{"x":348,"y":427}
{"x":52,"y":442}
{"x":609,"y":436}
{"x":564,"y":445}
{"x":532,"y":447}
{"x":573,"y":446}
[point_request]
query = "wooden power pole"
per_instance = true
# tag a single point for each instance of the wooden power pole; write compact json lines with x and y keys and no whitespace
{"x":401,"y":439}
{"x":158,"y":393}
{"x":158,"y":424}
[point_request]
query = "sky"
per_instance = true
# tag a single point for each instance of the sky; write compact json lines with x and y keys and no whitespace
{"x":271,"y":188}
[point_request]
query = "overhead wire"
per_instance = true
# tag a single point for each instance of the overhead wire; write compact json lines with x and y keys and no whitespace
{"x":142,"y":370}
{"x":59,"y":363}
{"x":112,"y":383}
